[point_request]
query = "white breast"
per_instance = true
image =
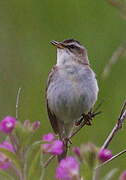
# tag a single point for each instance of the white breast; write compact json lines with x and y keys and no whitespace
{"x":73,"y":92}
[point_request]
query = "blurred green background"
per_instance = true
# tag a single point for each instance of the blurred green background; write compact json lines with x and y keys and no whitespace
{"x":26,"y":57}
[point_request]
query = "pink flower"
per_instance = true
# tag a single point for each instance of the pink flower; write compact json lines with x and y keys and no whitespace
{"x":104,"y":155}
{"x":7,"y":124}
{"x":55,"y":147}
{"x":31,"y":126}
{"x":5,"y":162}
{"x":76,"y":150}
{"x":67,"y":169}
{"x":48,"y":137}
{"x":123,"y":176}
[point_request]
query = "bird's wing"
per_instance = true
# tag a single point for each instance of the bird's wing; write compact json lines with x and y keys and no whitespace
{"x":51,"y":115}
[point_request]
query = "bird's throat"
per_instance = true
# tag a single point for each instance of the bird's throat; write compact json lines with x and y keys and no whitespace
{"x":67,"y":58}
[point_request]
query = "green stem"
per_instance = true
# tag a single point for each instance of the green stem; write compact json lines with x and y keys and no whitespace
{"x":43,"y":169}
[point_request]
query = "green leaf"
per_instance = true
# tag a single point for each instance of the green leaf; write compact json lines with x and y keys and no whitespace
{"x":35,"y":167}
{"x":27,"y":139}
{"x":36,"y":144}
{"x":86,"y":171}
{"x":33,"y":161}
{"x":32,"y":150}
{"x":6,"y":175}
{"x":12,"y":156}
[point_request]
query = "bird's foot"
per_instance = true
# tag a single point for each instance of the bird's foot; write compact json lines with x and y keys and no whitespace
{"x":87,"y":118}
{"x":67,"y":142}
{"x":79,"y":121}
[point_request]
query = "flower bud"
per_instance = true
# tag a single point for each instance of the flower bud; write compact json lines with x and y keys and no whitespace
{"x":76,"y":150}
{"x":36,"y":125}
{"x":104,"y":155}
{"x":27,"y":124}
{"x":123,"y":176}
{"x":31,"y":126}
{"x":89,"y":153}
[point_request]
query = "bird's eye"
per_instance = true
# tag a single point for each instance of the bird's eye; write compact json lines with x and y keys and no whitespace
{"x":72,"y":46}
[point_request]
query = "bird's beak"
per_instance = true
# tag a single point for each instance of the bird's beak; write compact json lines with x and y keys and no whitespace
{"x":58,"y":44}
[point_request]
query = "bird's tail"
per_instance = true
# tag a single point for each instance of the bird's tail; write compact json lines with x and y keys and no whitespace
{"x":65,"y":147}
{"x":64,"y":134}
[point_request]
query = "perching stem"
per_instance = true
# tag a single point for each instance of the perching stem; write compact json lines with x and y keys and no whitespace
{"x":117,"y":126}
{"x":114,"y":157}
{"x":48,"y":161}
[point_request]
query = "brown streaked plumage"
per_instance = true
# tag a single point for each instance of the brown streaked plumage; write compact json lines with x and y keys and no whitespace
{"x":52,"y":117}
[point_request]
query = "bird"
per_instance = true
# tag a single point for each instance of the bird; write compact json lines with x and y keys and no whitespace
{"x":72,"y":88}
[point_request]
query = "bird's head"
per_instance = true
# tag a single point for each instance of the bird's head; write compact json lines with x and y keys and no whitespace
{"x":69,"y":51}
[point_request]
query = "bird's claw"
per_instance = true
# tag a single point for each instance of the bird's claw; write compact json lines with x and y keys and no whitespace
{"x":87,"y":118}
{"x":67,"y":141}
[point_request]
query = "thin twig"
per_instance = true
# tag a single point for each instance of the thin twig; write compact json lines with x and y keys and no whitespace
{"x":48,"y":161}
{"x":17,"y":102}
{"x":114,"y":157}
{"x":113,"y":60}
{"x":79,"y":128}
{"x":85,"y":119}
{"x":117,"y":126}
